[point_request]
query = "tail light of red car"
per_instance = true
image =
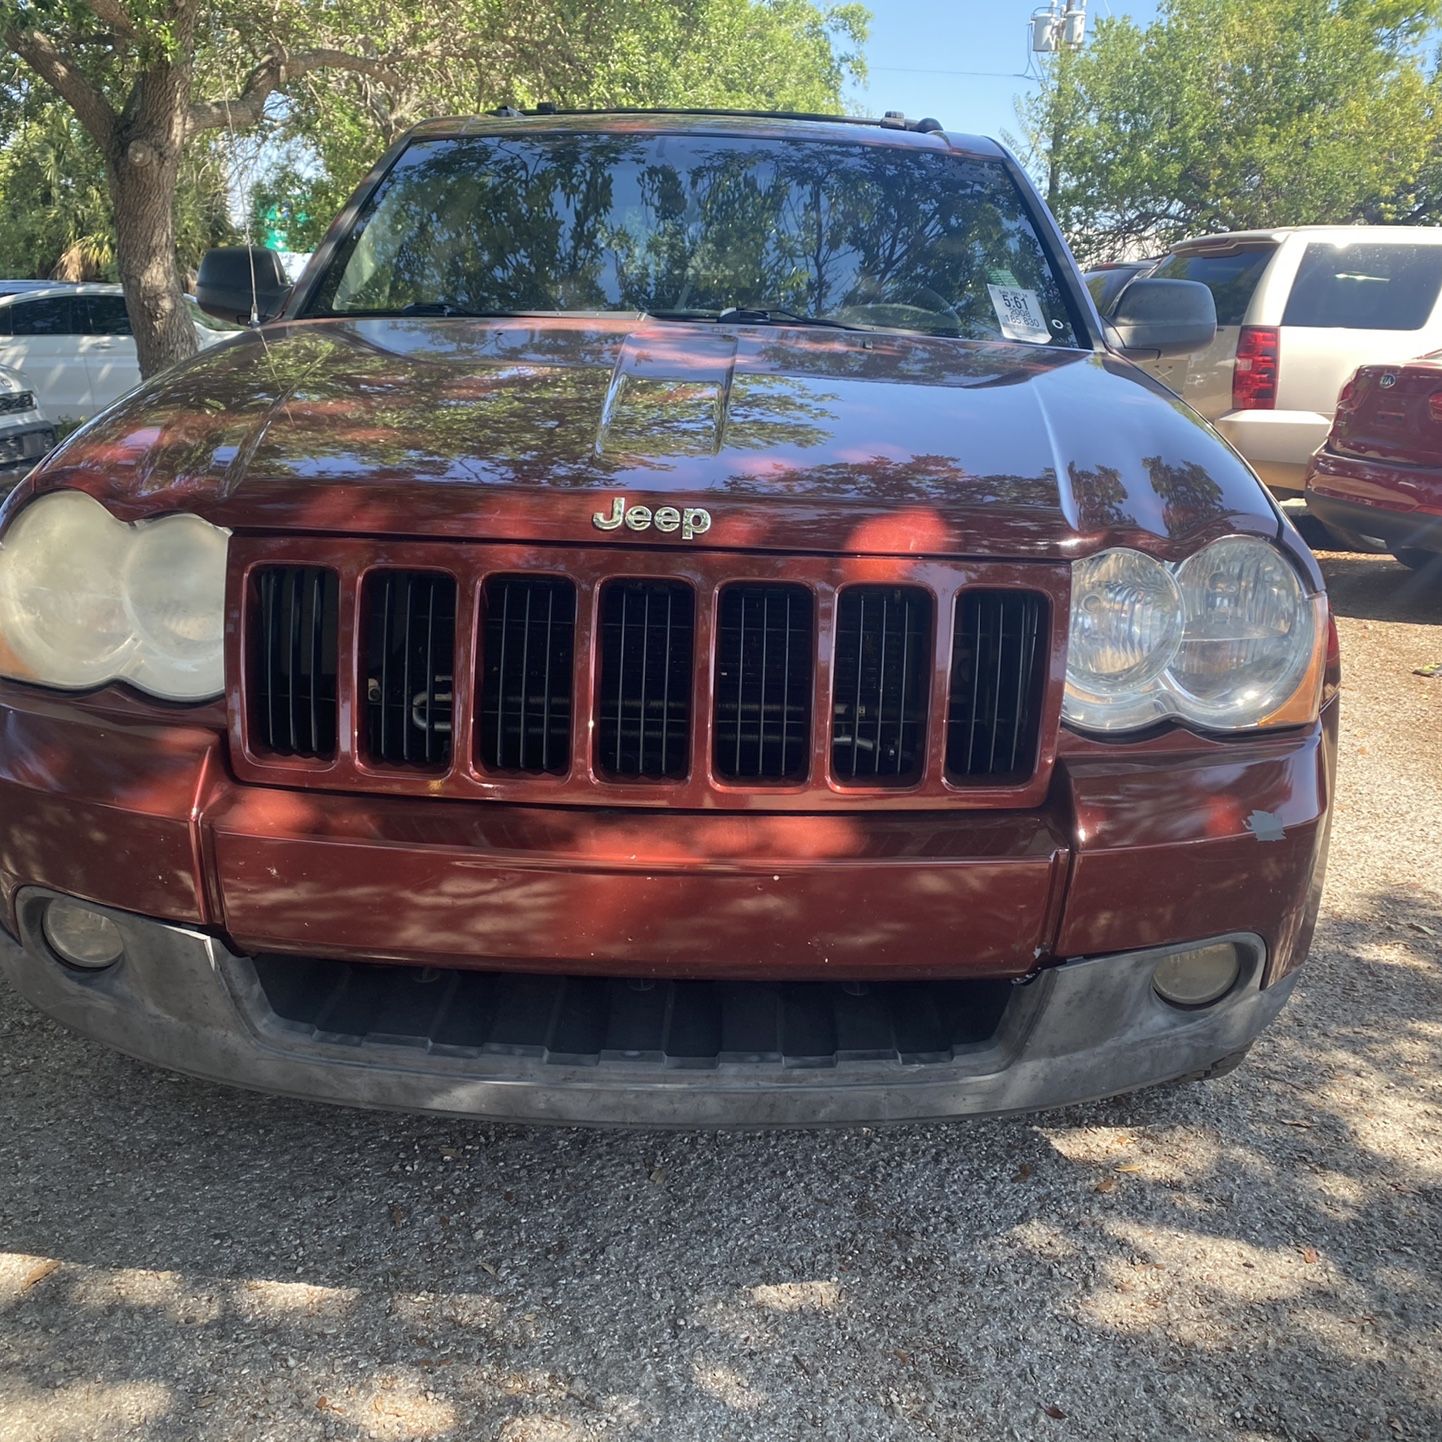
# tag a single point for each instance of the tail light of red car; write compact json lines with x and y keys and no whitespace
{"x":1347,"y":399}
{"x":1434,"y":406}
{"x":1254,"y":381}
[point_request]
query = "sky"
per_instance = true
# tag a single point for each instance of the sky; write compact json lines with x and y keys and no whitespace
{"x":921,"y":53}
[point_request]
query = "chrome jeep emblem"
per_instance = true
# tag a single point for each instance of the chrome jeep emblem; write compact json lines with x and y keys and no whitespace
{"x":1388,"y":380}
{"x":691,"y":522}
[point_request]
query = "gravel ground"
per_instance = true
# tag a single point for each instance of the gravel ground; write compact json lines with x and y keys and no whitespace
{"x":1254,"y":1259}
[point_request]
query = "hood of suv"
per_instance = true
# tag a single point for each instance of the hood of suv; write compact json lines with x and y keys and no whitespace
{"x":789,"y":439}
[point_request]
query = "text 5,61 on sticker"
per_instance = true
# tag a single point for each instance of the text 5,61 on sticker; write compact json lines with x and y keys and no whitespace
{"x":1018,"y":313}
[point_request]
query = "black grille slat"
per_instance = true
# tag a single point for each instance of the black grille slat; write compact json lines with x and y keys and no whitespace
{"x":643,"y":691}
{"x":408,"y":592}
{"x":762,"y":703}
{"x":607,"y":1022}
{"x":293,"y":627}
{"x":291,"y":661}
{"x":526,"y":674}
{"x":408,"y":627}
{"x":880,"y":684}
{"x":316,"y":648}
{"x":997,"y":679}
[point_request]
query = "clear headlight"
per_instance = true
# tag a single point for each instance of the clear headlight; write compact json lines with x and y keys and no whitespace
{"x":1227,"y":640}
{"x":86,"y":599}
{"x":1126,"y":623}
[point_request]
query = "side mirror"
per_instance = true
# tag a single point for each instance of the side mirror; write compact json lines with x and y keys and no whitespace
{"x":1156,"y":318}
{"x":227,"y":274}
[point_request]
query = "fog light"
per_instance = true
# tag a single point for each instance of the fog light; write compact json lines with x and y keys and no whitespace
{"x":1197,"y":978}
{"x":81,"y":936}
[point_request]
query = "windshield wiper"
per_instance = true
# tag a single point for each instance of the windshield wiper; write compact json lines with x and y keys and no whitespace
{"x":445,"y":308}
{"x":752,"y":315}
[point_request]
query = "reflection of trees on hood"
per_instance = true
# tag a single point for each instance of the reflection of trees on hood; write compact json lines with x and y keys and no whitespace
{"x":1190,"y":495}
{"x":907,"y":481}
{"x":923,"y":360}
{"x":672,"y":221}
{"x":324,"y":404}
{"x":769,"y":413}
{"x":1102,"y":498}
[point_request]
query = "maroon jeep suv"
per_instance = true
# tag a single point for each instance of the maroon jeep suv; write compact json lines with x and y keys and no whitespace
{"x":673,"y":619}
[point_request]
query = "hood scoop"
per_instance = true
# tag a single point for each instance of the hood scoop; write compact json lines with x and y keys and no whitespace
{"x":668,"y":395}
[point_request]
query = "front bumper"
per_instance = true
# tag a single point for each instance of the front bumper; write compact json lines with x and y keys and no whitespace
{"x":21,"y":447}
{"x":1138,"y":850}
{"x":180,"y":998}
{"x":1138,"y":846}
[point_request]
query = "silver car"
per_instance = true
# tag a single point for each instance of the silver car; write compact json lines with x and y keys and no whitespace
{"x":25,"y":434}
{"x":1298,"y":310}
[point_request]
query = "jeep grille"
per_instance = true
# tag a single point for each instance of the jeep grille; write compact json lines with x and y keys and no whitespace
{"x":996,"y":690}
{"x":633,"y":678}
{"x":764,"y":645}
{"x":291,"y":655}
{"x":527,"y":661}
{"x":880,"y":697}
{"x":408,"y":621}
{"x":643,"y":701}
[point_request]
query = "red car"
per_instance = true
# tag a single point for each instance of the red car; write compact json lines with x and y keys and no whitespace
{"x":1380,"y":471}
{"x":673,"y":619}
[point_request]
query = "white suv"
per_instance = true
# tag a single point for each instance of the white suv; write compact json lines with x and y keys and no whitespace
{"x":73,"y":345}
{"x":1298,"y":310}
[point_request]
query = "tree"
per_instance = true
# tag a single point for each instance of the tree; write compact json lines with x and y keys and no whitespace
{"x":762,"y":54}
{"x":55,"y":215}
{"x":146,"y":78}
{"x":1228,"y":115}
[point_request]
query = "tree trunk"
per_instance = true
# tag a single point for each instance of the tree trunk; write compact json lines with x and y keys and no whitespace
{"x":143,"y":179}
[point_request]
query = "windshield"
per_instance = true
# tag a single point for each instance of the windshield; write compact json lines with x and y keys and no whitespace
{"x":689,"y":227}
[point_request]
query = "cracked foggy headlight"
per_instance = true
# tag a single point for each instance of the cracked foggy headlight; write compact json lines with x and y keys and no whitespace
{"x":86,"y":599}
{"x":1227,"y":640}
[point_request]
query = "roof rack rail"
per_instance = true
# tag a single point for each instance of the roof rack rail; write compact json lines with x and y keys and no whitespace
{"x":892,"y":120}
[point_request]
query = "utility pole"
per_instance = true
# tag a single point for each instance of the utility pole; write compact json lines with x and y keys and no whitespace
{"x":1060,"y":27}
{"x":1058,"y":30}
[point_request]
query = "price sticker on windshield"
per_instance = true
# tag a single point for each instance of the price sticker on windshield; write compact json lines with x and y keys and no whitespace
{"x":1018,"y":313}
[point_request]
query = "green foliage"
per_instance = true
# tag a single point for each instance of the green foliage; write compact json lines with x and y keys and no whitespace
{"x":54,"y":211}
{"x":1229,"y":114}
{"x":436,"y":57}
{"x":743,"y":54}
{"x":56,"y":218}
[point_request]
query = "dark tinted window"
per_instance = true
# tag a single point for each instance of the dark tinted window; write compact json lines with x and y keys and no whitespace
{"x":865,"y":234}
{"x":1365,"y":287}
{"x":103,"y":315}
{"x":1230,"y":275}
{"x":51,"y":316}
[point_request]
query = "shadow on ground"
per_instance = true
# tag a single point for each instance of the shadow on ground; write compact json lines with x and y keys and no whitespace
{"x":1377,"y":588}
{"x":1254,"y":1258}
